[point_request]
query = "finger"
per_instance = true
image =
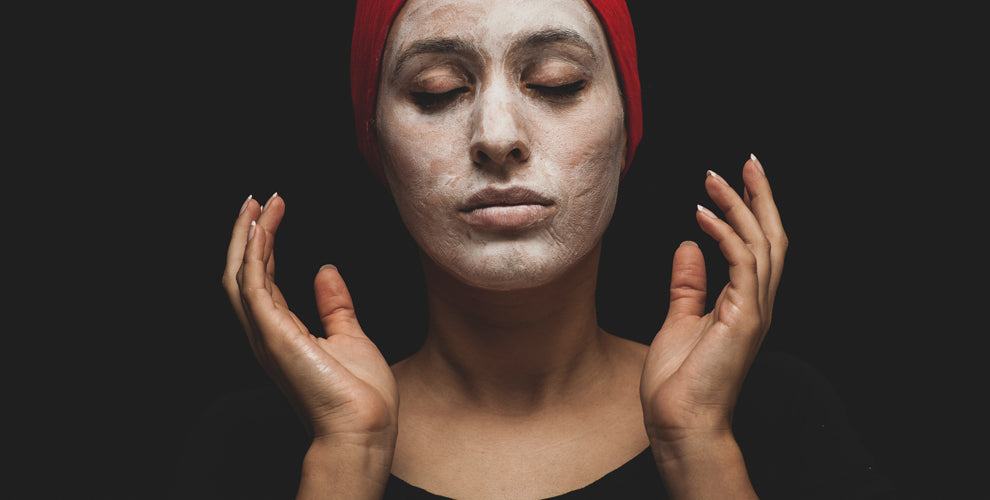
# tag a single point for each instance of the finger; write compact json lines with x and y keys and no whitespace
{"x":688,"y":282}
{"x":270,"y":218}
{"x":743,"y":290}
{"x":745,"y":224}
{"x":334,"y":304}
{"x":253,"y":275}
{"x":737,"y":213}
{"x":765,"y":210}
{"x":235,"y":256}
{"x":258,"y":293}
{"x":238,"y":237}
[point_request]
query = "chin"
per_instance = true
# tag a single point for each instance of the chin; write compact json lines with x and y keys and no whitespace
{"x":510,"y":267}
{"x":506,"y":280}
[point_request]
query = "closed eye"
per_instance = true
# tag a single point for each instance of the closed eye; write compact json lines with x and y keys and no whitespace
{"x":560,"y":91}
{"x":431,"y":100}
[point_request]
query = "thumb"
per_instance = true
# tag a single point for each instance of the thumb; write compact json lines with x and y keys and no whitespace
{"x":333,"y":303}
{"x":687,"y":282}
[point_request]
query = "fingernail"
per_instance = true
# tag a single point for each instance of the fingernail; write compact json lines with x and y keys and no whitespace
{"x":328,"y":266}
{"x":711,"y":173}
{"x":270,"y":198}
{"x":254,"y":224}
{"x":245,"y":205}
{"x":757,"y":162}
{"x":688,"y":243}
{"x":706,"y":212}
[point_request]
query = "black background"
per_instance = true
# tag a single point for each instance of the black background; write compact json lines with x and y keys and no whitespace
{"x":146,"y":127}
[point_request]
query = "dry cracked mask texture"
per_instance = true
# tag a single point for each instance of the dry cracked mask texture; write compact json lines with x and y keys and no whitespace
{"x":500,"y":126}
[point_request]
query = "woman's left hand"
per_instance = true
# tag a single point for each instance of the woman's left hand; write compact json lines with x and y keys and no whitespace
{"x":697,"y":362}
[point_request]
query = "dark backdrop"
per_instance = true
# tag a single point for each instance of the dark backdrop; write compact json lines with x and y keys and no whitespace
{"x":175,"y":114}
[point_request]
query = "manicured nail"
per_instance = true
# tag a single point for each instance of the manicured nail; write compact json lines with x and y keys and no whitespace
{"x":254,"y":224}
{"x":328,"y":266}
{"x":270,"y":198}
{"x":706,"y":212}
{"x":711,"y":173}
{"x":688,"y":243}
{"x":245,"y":205}
{"x":757,"y":162}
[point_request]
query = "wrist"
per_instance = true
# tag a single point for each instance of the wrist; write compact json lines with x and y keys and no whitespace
{"x":352,"y":467}
{"x":702,"y":465}
{"x":693,"y":445}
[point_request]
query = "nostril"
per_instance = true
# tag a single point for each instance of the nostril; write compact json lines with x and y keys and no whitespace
{"x":480,"y":157}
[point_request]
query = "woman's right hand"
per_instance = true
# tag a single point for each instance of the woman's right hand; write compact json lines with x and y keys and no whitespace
{"x":341,"y":386}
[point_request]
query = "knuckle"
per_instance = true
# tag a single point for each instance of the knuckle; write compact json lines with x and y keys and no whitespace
{"x":748,"y":260}
{"x":762,"y":243}
{"x":229,"y":281}
{"x":253,"y":295}
{"x":783,"y":241}
{"x":779,"y":242}
{"x":229,"y":277}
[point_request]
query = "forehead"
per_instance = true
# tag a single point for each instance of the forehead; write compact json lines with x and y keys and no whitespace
{"x":492,"y":23}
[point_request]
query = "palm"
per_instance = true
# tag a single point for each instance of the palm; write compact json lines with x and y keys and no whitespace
{"x":688,"y":365}
{"x":698,"y":360}
{"x":356,"y":386}
{"x":340,"y":384}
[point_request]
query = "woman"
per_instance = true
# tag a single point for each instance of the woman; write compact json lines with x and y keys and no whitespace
{"x":502,"y":130}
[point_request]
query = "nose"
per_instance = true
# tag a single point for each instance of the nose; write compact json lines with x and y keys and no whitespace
{"x":500,"y":136}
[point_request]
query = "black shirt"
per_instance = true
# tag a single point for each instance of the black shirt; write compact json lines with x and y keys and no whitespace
{"x":789,"y":423}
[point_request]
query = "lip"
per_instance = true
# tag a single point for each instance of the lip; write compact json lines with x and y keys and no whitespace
{"x":515,"y":207}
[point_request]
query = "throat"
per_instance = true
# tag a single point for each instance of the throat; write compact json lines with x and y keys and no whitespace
{"x":513,"y":350}
{"x":518,"y":372}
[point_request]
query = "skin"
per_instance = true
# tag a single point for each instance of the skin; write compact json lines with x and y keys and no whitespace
{"x":566,"y":146}
{"x":515,"y":379}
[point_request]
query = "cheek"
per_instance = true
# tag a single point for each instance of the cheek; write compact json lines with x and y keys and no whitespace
{"x":595,"y":154}
{"x":594,"y":151}
{"x":418,"y":153}
{"x":417,"y":161}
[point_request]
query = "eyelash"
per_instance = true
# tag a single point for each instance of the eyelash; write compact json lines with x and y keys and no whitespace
{"x":560,"y":92}
{"x":429,"y":100}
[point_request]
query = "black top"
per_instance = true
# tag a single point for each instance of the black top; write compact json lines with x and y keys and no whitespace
{"x":637,"y":478}
{"x":789,"y":424}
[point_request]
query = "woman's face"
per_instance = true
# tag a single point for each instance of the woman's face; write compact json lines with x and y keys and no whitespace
{"x":501,"y":130}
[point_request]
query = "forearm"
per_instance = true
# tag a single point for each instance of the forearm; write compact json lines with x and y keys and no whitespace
{"x":703,"y":467}
{"x":335,"y":470}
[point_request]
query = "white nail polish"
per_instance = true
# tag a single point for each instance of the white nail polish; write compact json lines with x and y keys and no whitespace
{"x":270,"y":198}
{"x":245,"y":204}
{"x":706,"y":212}
{"x":711,"y":173}
{"x":759,"y":165}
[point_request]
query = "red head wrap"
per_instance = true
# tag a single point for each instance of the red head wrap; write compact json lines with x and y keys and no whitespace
{"x":372,"y":22}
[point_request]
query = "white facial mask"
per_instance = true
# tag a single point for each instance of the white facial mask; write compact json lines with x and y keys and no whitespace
{"x":502,"y":135}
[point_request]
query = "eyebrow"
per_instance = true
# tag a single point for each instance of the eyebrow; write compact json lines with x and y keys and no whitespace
{"x":458,"y":46}
{"x":555,"y":35}
{"x":433,"y":46}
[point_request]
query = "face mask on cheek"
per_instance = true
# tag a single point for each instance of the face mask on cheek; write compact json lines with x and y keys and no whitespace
{"x":503,"y":183}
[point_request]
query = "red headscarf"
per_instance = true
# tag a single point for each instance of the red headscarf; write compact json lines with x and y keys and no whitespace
{"x":372,"y":22}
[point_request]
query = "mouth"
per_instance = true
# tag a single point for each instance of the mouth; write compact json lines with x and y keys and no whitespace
{"x":507,"y":208}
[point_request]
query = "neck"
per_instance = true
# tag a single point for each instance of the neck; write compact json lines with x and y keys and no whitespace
{"x":522,"y":349}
